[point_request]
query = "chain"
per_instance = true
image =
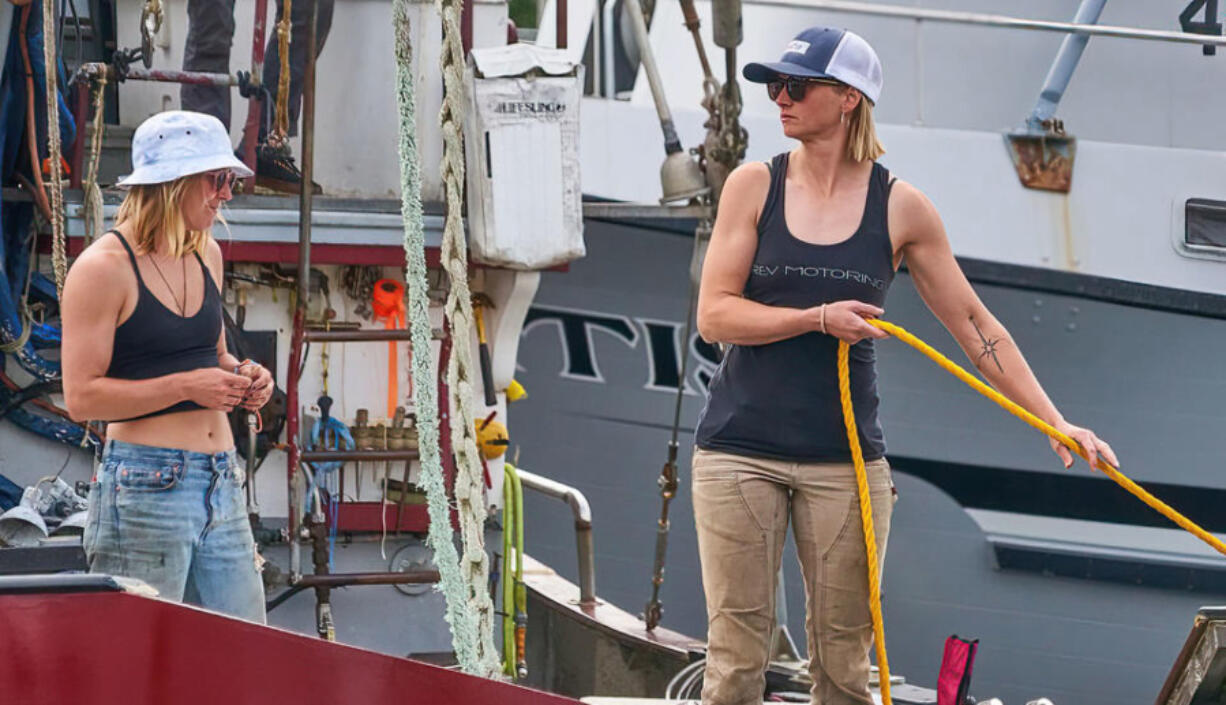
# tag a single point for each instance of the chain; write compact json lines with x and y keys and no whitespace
{"x":323,"y":358}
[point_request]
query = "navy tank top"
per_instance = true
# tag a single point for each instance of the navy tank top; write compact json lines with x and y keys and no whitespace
{"x":156,"y":341}
{"x":781,"y":400}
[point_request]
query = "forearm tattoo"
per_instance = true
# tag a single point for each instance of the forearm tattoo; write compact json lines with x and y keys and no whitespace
{"x":988,"y":348}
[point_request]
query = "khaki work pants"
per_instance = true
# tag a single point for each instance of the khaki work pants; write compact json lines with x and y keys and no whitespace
{"x":741,"y":508}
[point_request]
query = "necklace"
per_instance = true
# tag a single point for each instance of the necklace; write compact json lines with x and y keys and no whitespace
{"x":181,"y":304}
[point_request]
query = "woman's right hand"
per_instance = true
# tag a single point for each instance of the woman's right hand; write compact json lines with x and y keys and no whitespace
{"x":845,"y":320}
{"x":214,"y":388}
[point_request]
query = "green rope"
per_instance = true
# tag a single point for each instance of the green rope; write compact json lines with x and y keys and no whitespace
{"x":451,"y":581}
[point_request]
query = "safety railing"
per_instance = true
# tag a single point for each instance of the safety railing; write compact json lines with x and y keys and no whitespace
{"x":582,"y":512}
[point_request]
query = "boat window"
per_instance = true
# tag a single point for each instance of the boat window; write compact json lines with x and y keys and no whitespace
{"x":1205,"y":223}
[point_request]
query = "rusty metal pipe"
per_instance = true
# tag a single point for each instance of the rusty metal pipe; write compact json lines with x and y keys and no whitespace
{"x":356,"y":336}
{"x":97,"y":69}
{"x":356,"y":456}
{"x":80,"y":116}
{"x":304,"y":279}
{"x":332,"y":580}
{"x":695,"y":27}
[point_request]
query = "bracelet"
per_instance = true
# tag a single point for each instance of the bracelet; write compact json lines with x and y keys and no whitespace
{"x":822,"y":323}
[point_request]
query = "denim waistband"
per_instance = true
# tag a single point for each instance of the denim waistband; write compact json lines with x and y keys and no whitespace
{"x":121,"y":450}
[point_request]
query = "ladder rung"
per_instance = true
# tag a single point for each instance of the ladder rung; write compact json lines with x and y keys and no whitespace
{"x":325,"y":456}
{"x":364,"y":335}
{"x":342,"y":579}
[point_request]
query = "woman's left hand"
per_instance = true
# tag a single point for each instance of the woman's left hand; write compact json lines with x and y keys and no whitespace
{"x":261,"y":387}
{"x":1090,"y":443}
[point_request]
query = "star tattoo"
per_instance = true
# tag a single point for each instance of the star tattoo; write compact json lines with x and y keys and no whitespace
{"x":989,"y":347}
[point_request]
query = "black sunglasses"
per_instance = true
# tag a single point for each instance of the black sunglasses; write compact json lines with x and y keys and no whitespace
{"x":224,"y":179}
{"x":797,"y":87}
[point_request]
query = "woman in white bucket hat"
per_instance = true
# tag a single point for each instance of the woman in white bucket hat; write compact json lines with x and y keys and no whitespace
{"x":144,"y":349}
{"x":803,"y":251}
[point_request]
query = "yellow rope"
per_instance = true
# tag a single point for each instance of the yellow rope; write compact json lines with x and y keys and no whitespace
{"x":866,"y":515}
{"x":1161,"y":507}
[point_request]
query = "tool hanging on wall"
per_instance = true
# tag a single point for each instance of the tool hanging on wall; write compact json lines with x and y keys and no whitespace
{"x":387,"y":301}
{"x":480,"y":303}
{"x":363,"y":436}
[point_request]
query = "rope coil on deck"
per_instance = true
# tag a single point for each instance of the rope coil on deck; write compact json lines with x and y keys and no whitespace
{"x":866,"y":514}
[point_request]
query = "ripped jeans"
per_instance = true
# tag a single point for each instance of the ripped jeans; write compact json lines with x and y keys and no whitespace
{"x":177,"y":520}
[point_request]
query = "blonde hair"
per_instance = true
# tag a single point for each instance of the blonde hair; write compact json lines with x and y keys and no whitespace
{"x":153,"y":210}
{"x":862,"y":142}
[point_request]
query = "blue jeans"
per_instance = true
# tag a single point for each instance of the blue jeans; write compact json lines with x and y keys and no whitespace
{"x":177,"y":520}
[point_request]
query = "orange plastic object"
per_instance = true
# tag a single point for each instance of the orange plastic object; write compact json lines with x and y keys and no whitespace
{"x":387,"y":302}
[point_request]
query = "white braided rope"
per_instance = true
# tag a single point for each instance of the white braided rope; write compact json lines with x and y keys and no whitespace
{"x":469,"y":481}
{"x":59,"y":255}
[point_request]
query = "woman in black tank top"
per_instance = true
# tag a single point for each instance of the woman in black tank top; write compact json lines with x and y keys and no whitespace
{"x":803,"y":251}
{"x":144,"y":350}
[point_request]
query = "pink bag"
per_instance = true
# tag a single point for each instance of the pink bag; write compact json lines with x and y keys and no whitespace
{"x":954,"y":681}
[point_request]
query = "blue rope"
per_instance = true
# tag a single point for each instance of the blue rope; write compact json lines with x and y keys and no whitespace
{"x":329,"y":433}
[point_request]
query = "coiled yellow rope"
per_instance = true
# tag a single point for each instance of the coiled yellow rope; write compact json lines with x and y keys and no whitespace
{"x":866,"y":512}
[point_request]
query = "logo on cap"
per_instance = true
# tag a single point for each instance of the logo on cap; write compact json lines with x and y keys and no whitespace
{"x":796,"y":46}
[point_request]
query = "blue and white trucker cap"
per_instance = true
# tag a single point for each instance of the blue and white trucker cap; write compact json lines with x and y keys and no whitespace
{"x":180,"y":143}
{"x":825,"y":52}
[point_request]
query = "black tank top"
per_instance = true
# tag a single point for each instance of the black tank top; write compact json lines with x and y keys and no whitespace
{"x":781,"y":400}
{"x":156,"y":341}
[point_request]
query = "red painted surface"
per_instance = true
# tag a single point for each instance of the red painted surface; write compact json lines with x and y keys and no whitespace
{"x":287,"y":253}
{"x":80,"y":116}
{"x":374,"y":255}
{"x":117,"y":648}
{"x":364,"y":516}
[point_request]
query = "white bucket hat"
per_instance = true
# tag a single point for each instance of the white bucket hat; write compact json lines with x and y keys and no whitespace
{"x":180,"y":143}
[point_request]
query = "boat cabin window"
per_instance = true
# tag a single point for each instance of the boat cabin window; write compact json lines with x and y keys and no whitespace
{"x":1205,"y":224}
